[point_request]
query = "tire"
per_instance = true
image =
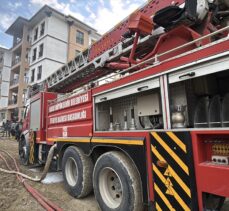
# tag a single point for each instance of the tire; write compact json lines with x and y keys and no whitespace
{"x":77,"y":172}
{"x":213,"y":202}
{"x":117,"y":184}
{"x":23,"y":151}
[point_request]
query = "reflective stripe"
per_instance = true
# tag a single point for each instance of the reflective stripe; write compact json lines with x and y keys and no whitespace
{"x":158,"y":207}
{"x":118,"y":141}
{"x":79,"y":140}
{"x":97,"y":140}
{"x":177,"y":141}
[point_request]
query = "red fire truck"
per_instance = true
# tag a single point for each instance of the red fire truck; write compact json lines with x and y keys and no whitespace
{"x":141,"y":117}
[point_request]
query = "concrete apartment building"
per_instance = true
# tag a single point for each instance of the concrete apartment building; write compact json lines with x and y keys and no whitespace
{"x":5,"y":66}
{"x":42,"y":45}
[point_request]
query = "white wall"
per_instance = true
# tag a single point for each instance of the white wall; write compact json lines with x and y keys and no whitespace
{"x":57,"y":28}
{"x":56,"y":49}
{"x":4,"y":88}
{"x":7,"y":58}
{"x":3,"y":102}
{"x":6,"y":73}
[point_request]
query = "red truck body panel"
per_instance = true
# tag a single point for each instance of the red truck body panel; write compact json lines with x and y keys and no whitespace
{"x":70,"y":117}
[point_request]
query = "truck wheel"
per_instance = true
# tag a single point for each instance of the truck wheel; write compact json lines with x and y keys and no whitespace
{"x":116,"y":182}
{"x":23,"y":150}
{"x":213,"y":202}
{"x":77,"y":171}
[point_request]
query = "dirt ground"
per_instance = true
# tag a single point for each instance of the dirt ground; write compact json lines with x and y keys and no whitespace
{"x":13,"y":195}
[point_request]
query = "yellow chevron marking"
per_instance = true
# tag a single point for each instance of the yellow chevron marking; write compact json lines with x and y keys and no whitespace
{"x":163,"y":197}
{"x":172,"y":172}
{"x":171,"y":152}
{"x":117,"y":141}
{"x":177,"y":141}
{"x":158,"y":208}
{"x":171,"y":189}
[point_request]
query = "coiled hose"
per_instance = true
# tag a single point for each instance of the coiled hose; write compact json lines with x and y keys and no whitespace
{"x":36,"y":179}
{"x":47,"y":204}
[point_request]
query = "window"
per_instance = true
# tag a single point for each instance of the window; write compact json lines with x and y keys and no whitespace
{"x":32,"y":75}
{"x":79,"y":37}
{"x":41,"y":48}
{"x":34,"y":54}
{"x":39,"y":72}
{"x":42,"y":30}
{"x":35,"y":34}
{"x":77,"y":53}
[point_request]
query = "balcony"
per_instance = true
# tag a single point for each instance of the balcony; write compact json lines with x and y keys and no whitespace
{"x":17,"y":43}
{"x":16,"y":61}
{"x":12,"y":102}
{"x":14,"y":82}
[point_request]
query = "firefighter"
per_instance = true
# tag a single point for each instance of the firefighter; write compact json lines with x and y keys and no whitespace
{"x":8,"y":128}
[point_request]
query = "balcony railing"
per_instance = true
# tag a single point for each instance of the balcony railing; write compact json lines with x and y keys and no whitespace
{"x":15,"y":81}
{"x":12,"y":101}
{"x":16,"y":61}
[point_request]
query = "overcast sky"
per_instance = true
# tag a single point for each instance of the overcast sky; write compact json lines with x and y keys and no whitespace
{"x":100,"y":14}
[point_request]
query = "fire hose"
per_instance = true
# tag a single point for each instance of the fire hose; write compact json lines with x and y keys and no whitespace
{"x":47,"y":204}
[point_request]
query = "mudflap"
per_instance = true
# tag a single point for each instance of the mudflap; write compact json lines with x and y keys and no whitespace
{"x":173,"y":171}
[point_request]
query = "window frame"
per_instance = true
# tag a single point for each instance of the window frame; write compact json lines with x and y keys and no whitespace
{"x":34,"y":56}
{"x":39,"y":53}
{"x":42,"y":29}
{"x":39,"y":72}
{"x":32,"y":79}
{"x":35,"y":36}
{"x":79,"y":39}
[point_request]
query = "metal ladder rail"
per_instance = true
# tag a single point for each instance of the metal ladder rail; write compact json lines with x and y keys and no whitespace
{"x":80,"y":67}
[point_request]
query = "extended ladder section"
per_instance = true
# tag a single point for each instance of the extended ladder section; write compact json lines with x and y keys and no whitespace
{"x":80,"y":70}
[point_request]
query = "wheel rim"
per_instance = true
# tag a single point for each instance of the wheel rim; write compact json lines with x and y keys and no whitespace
{"x":110,"y":187}
{"x":71,"y":171}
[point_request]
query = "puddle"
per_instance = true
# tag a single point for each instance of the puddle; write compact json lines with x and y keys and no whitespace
{"x":38,"y":169}
{"x":53,"y":177}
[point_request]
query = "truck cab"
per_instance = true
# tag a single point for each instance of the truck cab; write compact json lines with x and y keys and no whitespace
{"x":33,"y":135}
